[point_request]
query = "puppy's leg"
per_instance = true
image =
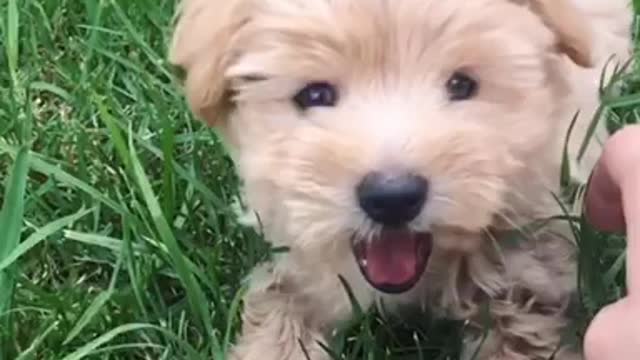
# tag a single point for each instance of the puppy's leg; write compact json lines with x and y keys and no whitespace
{"x":521,"y":331}
{"x":272,"y":330}
{"x":287,"y":315}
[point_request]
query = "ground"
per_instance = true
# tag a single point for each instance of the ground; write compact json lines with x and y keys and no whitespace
{"x":116,"y":236}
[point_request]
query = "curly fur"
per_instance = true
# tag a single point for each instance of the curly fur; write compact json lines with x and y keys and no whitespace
{"x":493,"y":161}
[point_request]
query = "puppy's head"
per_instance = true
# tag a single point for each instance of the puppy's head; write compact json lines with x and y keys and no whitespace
{"x":376,"y":127}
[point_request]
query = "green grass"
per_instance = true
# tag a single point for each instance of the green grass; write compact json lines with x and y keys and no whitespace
{"x":116,"y":238}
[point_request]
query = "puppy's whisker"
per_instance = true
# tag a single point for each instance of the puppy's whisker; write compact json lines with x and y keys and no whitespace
{"x":367,"y":231}
{"x":444,"y":200}
{"x":508,"y":219}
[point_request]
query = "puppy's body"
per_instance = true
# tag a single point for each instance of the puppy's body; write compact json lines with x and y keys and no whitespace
{"x":391,"y":72}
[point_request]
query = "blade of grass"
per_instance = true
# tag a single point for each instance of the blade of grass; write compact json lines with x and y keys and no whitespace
{"x":116,"y":136}
{"x":38,"y":164}
{"x":184,"y":174}
{"x":604,"y":107}
{"x":91,"y":346}
{"x":12,"y":45}
{"x":40,"y":235}
{"x":168,"y":147}
{"x":42,"y":86}
{"x":30,"y":352}
{"x":233,"y":312}
{"x":106,"y":242}
{"x":565,"y":177}
{"x":96,"y":305}
{"x":195,"y":295}
{"x":109,"y":351}
{"x":11,"y":219}
{"x":134,"y":33}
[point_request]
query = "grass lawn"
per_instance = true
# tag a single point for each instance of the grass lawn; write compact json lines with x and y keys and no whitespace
{"x":116,"y":236}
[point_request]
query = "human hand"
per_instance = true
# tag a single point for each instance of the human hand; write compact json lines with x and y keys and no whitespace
{"x":613,"y":205}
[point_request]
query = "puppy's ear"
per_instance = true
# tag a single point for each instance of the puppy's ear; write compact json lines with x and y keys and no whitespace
{"x":200,"y":46}
{"x":570,"y":25}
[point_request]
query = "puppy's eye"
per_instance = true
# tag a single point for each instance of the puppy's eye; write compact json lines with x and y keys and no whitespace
{"x":461,"y":86}
{"x":315,"y":95}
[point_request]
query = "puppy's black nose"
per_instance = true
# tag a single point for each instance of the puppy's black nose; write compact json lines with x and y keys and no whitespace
{"x":392,"y":200}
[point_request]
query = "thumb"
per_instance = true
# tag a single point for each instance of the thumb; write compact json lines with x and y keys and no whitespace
{"x":613,"y":197}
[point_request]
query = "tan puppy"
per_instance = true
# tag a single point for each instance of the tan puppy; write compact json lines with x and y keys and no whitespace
{"x":398,"y":144}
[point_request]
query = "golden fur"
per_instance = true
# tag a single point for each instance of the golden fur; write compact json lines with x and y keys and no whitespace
{"x":493,"y":161}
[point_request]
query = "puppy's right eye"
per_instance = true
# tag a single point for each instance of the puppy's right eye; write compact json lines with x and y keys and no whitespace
{"x":461,"y":86}
{"x":315,"y":95}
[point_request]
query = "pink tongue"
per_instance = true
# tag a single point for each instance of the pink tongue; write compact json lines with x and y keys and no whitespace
{"x":392,"y":259}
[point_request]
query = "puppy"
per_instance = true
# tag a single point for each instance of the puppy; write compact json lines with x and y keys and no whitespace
{"x":399,"y":146}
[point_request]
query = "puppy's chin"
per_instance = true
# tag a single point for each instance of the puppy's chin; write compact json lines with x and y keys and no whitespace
{"x":393,"y":260}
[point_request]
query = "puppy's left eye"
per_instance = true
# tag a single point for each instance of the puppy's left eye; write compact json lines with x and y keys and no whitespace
{"x":461,"y":86}
{"x":315,"y":95}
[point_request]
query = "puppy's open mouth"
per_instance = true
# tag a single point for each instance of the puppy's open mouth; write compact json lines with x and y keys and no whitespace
{"x":393,"y":261}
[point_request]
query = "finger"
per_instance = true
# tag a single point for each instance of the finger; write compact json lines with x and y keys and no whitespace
{"x":612,"y":201}
{"x":630,"y":188}
{"x":622,"y":159}
{"x":603,"y":201}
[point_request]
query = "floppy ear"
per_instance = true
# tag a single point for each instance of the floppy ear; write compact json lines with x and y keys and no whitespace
{"x":201,"y":48}
{"x":570,"y":25}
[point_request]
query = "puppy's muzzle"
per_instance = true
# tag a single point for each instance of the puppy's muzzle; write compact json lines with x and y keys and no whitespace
{"x":394,"y":259}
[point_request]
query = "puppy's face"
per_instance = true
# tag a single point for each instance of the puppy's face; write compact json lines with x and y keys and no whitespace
{"x":375,"y":127}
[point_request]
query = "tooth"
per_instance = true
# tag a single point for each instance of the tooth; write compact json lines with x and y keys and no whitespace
{"x":363,"y":262}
